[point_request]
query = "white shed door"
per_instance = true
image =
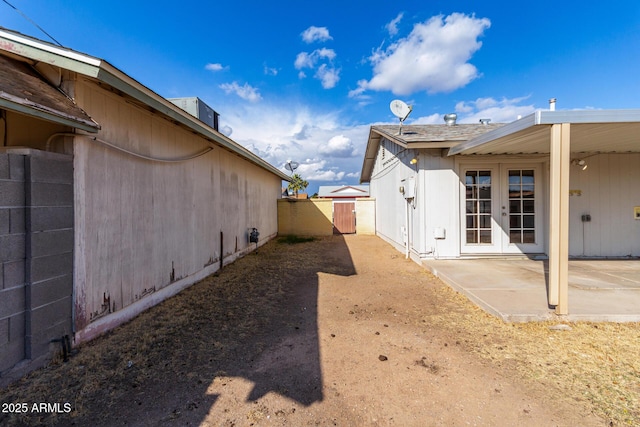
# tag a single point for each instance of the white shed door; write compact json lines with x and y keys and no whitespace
{"x":502,"y":209}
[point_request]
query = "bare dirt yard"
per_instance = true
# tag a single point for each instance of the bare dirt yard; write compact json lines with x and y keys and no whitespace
{"x":338,"y":331}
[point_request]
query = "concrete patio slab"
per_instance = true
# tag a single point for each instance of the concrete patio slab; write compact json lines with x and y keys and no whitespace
{"x":516,"y":289}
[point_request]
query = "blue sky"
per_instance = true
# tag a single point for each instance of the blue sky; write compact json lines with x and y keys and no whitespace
{"x":304,"y":81}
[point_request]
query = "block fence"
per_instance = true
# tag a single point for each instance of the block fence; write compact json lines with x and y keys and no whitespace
{"x":314,"y":217}
{"x":36,"y":256}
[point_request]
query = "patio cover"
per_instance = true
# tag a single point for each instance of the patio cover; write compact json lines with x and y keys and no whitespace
{"x":560,"y":133}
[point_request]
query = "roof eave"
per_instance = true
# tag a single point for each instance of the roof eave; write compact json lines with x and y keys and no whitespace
{"x":52,"y":116}
{"x":548,"y":118}
{"x":503,"y":131}
{"x":101,"y":70}
{"x":370,"y":155}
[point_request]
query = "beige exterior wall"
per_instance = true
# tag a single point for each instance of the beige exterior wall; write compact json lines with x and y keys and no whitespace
{"x":366,"y":216}
{"x":144,"y":230}
{"x":607,"y":191}
{"x":25,"y":134}
{"x":311,"y":217}
{"x":314,"y":217}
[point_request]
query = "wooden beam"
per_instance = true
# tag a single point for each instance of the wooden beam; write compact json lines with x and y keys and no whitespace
{"x":560,"y":162}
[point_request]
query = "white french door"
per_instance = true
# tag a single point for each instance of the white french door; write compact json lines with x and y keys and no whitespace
{"x":501,"y":209}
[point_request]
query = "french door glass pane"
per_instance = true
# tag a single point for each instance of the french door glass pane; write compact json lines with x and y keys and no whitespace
{"x":522,"y":206}
{"x":478,"y":206}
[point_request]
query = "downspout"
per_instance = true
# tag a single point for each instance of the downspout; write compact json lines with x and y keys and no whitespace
{"x":407,"y":228}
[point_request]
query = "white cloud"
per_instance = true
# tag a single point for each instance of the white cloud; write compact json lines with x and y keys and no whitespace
{"x":498,"y":110}
{"x":329,"y":54}
{"x":246,"y":92}
{"x":317,"y":170}
{"x":270,"y":71}
{"x":463,"y":107}
{"x":329,"y":76}
{"x":325,"y":71}
{"x":338,"y":146}
{"x":309,"y":60}
{"x":503,"y":110}
{"x":433,"y":119}
{"x":328,"y":150}
{"x":303,"y":60}
{"x":226,"y":130}
{"x":302,"y":134}
{"x":313,"y":34}
{"x":359,"y":91}
{"x":433,"y":57}
{"x":214,"y":67}
{"x":392,"y":27}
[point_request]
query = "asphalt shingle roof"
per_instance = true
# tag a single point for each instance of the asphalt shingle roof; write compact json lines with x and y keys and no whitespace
{"x":436,"y":133}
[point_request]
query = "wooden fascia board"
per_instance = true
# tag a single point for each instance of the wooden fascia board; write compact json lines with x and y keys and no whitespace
{"x":370,"y":153}
{"x":34,"y":111}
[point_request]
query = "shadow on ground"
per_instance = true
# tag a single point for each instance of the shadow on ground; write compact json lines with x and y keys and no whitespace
{"x":257,"y":320}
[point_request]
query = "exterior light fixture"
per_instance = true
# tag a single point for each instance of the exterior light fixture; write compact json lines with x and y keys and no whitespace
{"x":581,"y":163}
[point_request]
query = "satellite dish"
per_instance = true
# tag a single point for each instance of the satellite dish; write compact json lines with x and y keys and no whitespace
{"x":291,"y":166}
{"x":400,"y":109}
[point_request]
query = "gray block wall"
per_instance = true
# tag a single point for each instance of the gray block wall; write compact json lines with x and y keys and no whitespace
{"x":36,"y":255}
{"x":12,"y":260}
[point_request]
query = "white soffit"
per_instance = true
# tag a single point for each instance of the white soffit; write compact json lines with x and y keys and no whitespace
{"x":591,"y":131}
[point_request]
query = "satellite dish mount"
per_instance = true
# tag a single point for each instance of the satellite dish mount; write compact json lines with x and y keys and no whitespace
{"x":401,"y":110}
{"x":291,"y":166}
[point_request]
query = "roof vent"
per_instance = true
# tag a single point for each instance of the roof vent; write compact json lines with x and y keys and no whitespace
{"x":450,"y":119}
{"x":485,"y":121}
{"x":552,"y":104}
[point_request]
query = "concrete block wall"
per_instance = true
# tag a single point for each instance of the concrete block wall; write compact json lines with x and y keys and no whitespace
{"x":310,"y":217}
{"x":49,"y":254}
{"x":314,"y":217}
{"x":36,"y":254}
{"x":12,"y":260}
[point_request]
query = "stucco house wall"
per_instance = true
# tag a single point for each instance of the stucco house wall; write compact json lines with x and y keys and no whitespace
{"x":144,"y":225}
{"x":607,"y":191}
{"x":390,"y":168}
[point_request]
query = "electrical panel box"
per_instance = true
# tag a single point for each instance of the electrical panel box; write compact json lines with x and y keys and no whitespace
{"x":409,"y":186}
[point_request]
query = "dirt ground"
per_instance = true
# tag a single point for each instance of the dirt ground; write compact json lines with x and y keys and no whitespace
{"x":339,"y":331}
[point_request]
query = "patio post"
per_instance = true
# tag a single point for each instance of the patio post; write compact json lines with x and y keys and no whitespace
{"x":560,"y":162}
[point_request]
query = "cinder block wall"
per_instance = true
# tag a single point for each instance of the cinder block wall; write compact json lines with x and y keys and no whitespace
{"x":49,"y":254}
{"x":12,"y":260}
{"x":36,"y":253}
{"x":310,"y":217}
{"x":366,"y":216}
{"x":314,"y":217}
